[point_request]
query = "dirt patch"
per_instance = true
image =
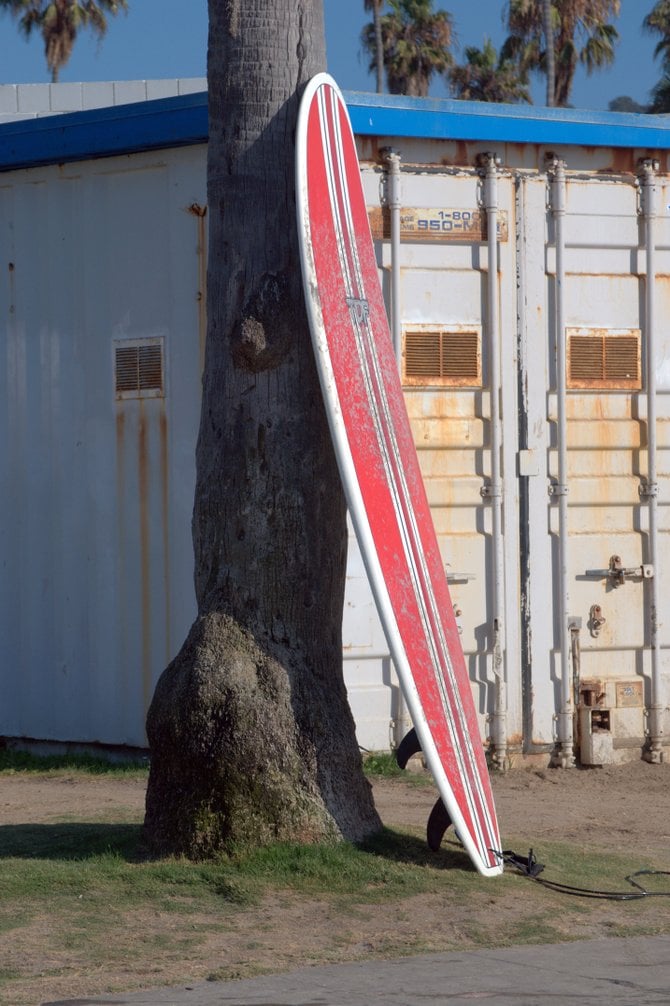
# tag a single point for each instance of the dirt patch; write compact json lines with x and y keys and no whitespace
{"x":616,"y":807}
{"x":620,"y":808}
{"x":27,"y":799}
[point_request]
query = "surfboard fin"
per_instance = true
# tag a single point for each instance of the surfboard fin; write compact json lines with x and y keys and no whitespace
{"x":438,"y":822}
{"x":409,"y":745}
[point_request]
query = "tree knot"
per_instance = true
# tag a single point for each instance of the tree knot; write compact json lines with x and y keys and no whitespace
{"x":261,"y":337}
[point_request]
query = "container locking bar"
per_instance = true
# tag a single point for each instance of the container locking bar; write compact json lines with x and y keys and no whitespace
{"x":617,"y":573}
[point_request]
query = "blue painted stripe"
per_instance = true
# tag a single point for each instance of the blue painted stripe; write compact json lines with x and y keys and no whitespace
{"x":104,"y":132}
{"x":389,"y":116}
{"x":182,"y":120}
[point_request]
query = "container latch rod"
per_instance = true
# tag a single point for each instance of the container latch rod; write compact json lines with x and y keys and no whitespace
{"x":617,"y":573}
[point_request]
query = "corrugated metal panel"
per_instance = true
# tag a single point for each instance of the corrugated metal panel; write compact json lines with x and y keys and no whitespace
{"x":443,"y":305}
{"x":442,"y":285}
{"x":96,"y":591}
{"x":604,"y":300}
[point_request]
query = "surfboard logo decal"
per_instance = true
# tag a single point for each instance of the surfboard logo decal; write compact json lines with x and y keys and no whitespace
{"x":359,"y":308}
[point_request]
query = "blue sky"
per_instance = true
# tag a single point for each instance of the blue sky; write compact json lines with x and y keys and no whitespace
{"x":168,"y":38}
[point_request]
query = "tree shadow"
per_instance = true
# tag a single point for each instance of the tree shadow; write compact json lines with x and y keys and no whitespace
{"x":400,"y":847}
{"x":71,"y":841}
{"x":79,"y":841}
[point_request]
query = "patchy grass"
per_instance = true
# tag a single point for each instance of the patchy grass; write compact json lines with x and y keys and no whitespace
{"x":104,"y":868}
{"x":105,"y":864}
{"x":127,"y":921}
{"x":381,"y":765}
{"x":13,"y":761}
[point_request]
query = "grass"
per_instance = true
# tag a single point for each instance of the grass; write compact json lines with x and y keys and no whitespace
{"x":377,"y":764}
{"x":105,"y":861}
{"x":13,"y":761}
{"x":381,"y":765}
{"x":104,"y":864}
{"x":160,"y":922}
{"x":102,"y":852}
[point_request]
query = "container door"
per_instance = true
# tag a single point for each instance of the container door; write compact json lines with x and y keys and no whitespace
{"x":598,"y":310}
{"x":446,"y":371}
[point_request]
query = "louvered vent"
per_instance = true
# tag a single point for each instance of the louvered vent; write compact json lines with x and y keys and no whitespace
{"x":138,"y":368}
{"x":601,"y":359}
{"x":443,"y":358}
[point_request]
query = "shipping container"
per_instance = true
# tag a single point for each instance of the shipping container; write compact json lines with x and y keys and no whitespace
{"x":525,"y":260}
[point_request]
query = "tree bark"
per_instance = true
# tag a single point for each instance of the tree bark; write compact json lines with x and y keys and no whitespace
{"x":379,"y":44}
{"x":550,"y":58}
{"x":252,"y":739}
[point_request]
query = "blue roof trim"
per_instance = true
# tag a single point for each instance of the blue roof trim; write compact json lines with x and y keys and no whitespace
{"x":104,"y":132}
{"x":182,"y":120}
{"x":447,"y":119}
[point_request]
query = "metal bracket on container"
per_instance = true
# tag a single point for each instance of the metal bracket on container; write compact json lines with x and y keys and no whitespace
{"x":458,"y":611}
{"x":648,"y":490}
{"x":556,"y":489}
{"x":459,"y":577}
{"x":596,"y":621}
{"x":617,"y":573}
{"x":489,"y":492}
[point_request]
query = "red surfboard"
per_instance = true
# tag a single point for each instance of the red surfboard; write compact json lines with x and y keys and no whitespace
{"x":380,"y":472}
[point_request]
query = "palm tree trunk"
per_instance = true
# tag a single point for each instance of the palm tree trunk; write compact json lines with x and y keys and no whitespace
{"x":251,"y":735}
{"x":379,"y":44}
{"x":549,"y":49}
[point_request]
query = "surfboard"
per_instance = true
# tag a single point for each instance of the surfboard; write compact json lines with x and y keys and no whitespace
{"x":380,"y":471}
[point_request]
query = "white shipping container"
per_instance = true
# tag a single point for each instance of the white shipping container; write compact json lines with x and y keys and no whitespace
{"x":530,"y":359}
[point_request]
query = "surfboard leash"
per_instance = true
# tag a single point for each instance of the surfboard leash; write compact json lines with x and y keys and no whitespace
{"x":529,"y":867}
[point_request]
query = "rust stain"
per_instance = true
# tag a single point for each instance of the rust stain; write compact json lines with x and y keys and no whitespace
{"x":462,"y":154}
{"x":443,"y":404}
{"x":145,"y":550}
{"x":120,"y":437}
{"x":12,"y":289}
{"x":607,"y":435}
{"x":623,"y":162}
{"x":200,"y":213}
{"x":368,"y":149}
{"x":165,"y":504}
{"x":121,"y":497}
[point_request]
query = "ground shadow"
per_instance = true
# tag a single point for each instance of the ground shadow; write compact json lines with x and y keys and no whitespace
{"x":403,"y":848}
{"x":71,"y":841}
{"x":78,"y":841}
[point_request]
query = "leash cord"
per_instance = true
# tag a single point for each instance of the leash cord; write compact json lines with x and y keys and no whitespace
{"x":529,"y":867}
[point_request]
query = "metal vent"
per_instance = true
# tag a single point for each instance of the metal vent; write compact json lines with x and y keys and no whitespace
{"x":604,"y":359}
{"x":442,"y":357}
{"x":138,"y":368}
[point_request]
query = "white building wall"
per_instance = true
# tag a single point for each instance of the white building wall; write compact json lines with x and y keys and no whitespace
{"x":96,"y":588}
{"x":30,"y":101}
